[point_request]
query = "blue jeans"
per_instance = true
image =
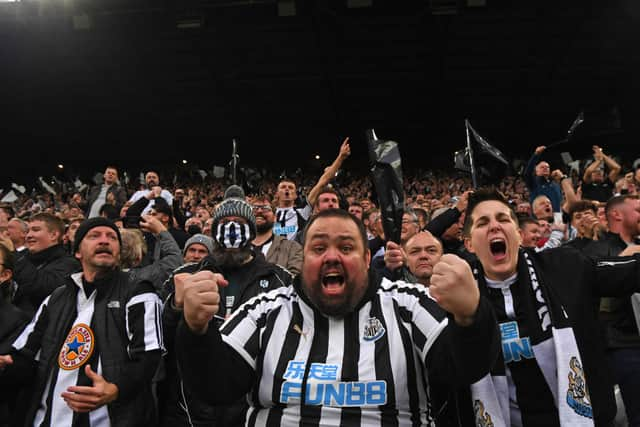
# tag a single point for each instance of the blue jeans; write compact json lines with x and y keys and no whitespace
{"x":625,"y":364}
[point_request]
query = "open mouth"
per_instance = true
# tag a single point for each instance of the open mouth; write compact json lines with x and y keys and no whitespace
{"x":333,"y":283}
{"x":498,"y":248}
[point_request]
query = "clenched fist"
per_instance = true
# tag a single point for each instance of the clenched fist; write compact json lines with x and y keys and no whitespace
{"x":393,"y":256}
{"x":557,"y":175}
{"x":454,"y":288}
{"x":200,"y":298}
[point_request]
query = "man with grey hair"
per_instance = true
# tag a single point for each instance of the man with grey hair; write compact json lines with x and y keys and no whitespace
{"x":541,"y":181}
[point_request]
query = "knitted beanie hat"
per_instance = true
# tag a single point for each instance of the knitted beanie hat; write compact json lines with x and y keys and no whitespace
{"x":90,"y":223}
{"x":204,"y":240}
{"x":234,"y":204}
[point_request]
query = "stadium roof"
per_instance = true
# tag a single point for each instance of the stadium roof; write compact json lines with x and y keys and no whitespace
{"x":136,"y":83}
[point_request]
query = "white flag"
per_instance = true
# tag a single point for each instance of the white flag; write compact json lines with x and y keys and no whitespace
{"x":20,"y":188}
{"x":46,"y":186}
{"x":10,"y":197}
{"x":218,"y":171}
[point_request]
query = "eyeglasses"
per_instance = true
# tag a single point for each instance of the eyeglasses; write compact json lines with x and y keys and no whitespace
{"x":261,"y":207}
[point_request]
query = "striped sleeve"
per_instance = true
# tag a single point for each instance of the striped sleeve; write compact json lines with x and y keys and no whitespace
{"x":144,"y":322}
{"x":30,"y":340}
{"x":427,"y":318}
{"x":241,"y":330}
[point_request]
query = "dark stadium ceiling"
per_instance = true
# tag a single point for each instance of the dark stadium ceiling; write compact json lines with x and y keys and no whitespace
{"x":148,"y":83}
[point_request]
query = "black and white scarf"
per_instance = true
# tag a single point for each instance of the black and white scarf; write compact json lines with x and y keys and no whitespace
{"x":556,"y":353}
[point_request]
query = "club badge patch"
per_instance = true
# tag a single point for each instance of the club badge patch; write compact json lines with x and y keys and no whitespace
{"x":77,"y":347}
{"x":373,"y":329}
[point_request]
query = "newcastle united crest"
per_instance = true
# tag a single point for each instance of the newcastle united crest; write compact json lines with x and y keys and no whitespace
{"x":77,"y":347}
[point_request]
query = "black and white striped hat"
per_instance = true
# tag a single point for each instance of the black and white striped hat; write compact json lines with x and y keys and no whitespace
{"x":234,"y":204}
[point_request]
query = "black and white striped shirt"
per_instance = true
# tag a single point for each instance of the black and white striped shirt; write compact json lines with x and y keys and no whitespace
{"x":143,"y":329}
{"x":286,"y":223}
{"x":367,"y":368}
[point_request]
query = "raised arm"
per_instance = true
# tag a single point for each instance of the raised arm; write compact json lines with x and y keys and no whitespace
{"x":597,"y":161}
{"x":471,"y":324}
{"x":570,"y":195}
{"x":329,"y":172}
{"x":614,"y":167}
{"x":530,"y":170}
{"x":213,"y":370}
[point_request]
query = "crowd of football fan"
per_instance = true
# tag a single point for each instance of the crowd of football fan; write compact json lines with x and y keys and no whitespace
{"x":205,"y":303}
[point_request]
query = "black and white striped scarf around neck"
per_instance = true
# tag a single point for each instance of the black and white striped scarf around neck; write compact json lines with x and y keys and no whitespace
{"x":557,"y":356}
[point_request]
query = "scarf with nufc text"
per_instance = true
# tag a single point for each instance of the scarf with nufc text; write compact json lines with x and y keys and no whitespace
{"x":556,"y":353}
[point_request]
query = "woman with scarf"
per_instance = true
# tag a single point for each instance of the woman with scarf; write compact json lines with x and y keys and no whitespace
{"x":553,"y":368}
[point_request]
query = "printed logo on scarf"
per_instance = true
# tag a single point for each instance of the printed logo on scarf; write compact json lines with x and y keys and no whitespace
{"x":483,"y":418}
{"x":577,"y":394}
{"x":77,"y":347}
{"x":514,"y":348}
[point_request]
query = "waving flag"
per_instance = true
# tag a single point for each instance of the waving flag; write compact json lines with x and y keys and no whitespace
{"x":386,"y":172}
{"x":46,"y":186}
{"x":475,"y":157}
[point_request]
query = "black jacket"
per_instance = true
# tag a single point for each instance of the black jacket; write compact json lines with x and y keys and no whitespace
{"x":12,"y":320}
{"x":37,"y":275}
{"x":119,"y":194}
{"x":166,"y":259}
{"x":179,"y":406}
{"x":180,"y":236}
{"x":578,"y":282}
{"x":616,"y":313}
{"x":439,"y":225}
{"x":131,"y":373}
